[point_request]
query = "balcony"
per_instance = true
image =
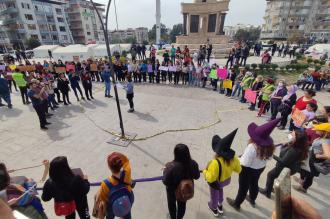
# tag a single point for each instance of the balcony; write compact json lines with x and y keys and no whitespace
{"x":76,"y":27}
{"x":7,"y":21}
{"x":10,"y":10}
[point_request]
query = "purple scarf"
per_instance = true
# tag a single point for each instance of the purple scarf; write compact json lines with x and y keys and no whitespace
{"x":291,"y":91}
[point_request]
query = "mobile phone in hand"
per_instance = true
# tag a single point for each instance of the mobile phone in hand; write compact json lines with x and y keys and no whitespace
{"x":282,"y":187}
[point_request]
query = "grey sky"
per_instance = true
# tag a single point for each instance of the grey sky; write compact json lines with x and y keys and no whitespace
{"x":137,"y":13}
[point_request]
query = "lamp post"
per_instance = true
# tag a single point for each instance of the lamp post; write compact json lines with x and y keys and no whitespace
{"x":105,"y":32}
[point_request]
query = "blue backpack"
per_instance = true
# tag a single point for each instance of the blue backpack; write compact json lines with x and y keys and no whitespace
{"x":119,"y":199}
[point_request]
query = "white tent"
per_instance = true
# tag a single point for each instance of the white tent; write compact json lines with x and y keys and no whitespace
{"x":100,"y":50}
{"x":42,"y":51}
{"x":74,"y":52}
{"x":318,"y":50}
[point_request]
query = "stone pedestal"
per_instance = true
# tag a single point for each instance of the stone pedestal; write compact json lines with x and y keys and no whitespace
{"x":203,"y":23}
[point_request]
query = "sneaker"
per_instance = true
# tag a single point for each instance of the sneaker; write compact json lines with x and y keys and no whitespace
{"x":299,"y":188}
{"x":220,"y":209}
{"x":264,"y":192}
{"x":43,"y":128}
{"x":232,"y":203}
{"x":130,"y":110}
{"x":1,"y":104}
{"x":83,"y":98}
{"x":92,"y":97}
{"x":110,"y":96}
{"x":10,"y":106}
{"x":253,"y":203}
{"x":48,"y":123}
{"x":214,"y":211}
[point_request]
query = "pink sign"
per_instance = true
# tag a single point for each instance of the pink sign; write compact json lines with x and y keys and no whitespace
{"x":251,"y":96}
{"x":222,"y":73}
{"x":70,"y":67}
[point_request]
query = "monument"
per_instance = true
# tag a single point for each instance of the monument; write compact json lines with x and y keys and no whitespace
{"x":203,"y":23}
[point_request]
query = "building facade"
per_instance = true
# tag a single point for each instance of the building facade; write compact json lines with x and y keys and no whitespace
{"x":43,"y":20}
{"x":232,"y":30}
{"x":84,"y":22}
{"x":285,"y":19}
{"x":140,"y":34}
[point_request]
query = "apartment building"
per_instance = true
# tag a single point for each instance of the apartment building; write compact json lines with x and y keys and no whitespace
{"x":140,"y":34}
{"x":301,"y":18}
{"x":84,"y":21}
{"x":232,"y":30}
{"x":4,"y":41}
{"x":43,"y":20}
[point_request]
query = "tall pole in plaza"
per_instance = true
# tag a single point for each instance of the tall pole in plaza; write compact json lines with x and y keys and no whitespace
{"x":158,"y":16}
{"x":104,"y":26}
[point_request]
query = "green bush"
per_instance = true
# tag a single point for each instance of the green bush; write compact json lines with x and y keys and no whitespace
{"x":282,"y":68}
{"x":288,"y":67}
{"x":309,"y":60}
{"x":274,"y":66}
{"x":261,"y":66}
{"x":322,"y":62}
{"x":316,"y":61}
{"x":247,"y":67}
{"x":299,"y":56}
{"x":294,"y":61}
{"x":318,"y":68}
{"x":254,"y":66}
{"x":236,"y":67}
{"x":268,"y":66}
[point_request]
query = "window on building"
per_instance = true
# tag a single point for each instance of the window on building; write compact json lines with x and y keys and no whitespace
{"x":28,"y":6}
{"x":64,"y":37}
{"x":34,"y":36}
{"x":88,"y":33}
{"x":50,"y":19}
{"x":43,"y":37}
{"x":60,"y":19}
{"x":54,"y":37}
{"x":32,"y":26}
{"x":22,"y":4}
{"x":36,"y":7}
{"x":28,"y":17}
{"x":62,"y":29}
{"x":194,"y":24}
{"x":212,"y":23}
{"x":87,"y":27}
{"x":58,"y":11}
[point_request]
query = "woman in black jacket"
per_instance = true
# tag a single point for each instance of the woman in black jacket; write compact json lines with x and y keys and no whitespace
{"x":67,"y":189}
{"x":63,"y":86}
{"x":288,"y":102}
{"x":291,"y":156}
{"x":181,"y":168}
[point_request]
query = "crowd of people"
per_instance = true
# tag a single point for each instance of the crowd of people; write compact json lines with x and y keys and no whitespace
{"x":307,"y":152}
{"x":47,"y":86}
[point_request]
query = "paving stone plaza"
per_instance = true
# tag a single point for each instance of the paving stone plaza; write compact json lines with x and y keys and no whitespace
{"x":75,"y":132}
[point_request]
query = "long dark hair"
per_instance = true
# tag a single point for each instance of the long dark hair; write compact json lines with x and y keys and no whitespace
{"x":4,"y":177}
{"x":264,"y":153}
{"x":59,"y":171}
{"x":301,"y":143}
{"x":182,"y":154}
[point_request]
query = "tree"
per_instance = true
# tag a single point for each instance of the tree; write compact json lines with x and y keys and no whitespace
{"x":176,"y":31}
{"x":163,"y":33}
{"x":297,"y":38}
{"x":251,"y":34}
{"x":131,"y":40}
{"x":32,"y":43}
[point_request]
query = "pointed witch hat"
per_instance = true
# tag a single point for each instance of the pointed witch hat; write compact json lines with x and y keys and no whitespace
{"x":221,"y":146}
{"x":261,"y":134}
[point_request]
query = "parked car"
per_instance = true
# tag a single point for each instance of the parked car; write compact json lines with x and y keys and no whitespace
{"x":29,"y":54}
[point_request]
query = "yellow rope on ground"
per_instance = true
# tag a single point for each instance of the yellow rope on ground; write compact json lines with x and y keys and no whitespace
{"x":162,"y":132}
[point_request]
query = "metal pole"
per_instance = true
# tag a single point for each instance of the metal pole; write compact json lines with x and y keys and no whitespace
{"x":158,"y":24}
{"x":105,"y":32}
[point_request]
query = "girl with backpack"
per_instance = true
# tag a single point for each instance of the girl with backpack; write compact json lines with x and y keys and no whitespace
{"x":219,"y":170}
{"x":115,"y":196}
{"x":68,"y":189}
{"x":254,"y":159}
{"x":179,"y":176}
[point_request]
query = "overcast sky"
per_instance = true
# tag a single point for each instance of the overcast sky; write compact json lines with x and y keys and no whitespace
{"x":141,"y":13}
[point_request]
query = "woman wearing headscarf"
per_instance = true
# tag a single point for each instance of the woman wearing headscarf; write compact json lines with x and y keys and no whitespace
{"x":219,"y":170}
{"x":276,"y":98}
{"x":288,"y":102}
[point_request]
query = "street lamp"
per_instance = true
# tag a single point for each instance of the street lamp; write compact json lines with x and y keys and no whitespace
{"x":105,"y":32}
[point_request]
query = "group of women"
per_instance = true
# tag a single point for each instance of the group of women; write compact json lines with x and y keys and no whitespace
{"x":69,"y":187}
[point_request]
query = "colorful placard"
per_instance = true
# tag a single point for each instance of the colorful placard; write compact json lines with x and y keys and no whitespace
{"x":213,"y":74}
{"x":28,"y":68}
{"x":163,"y":68}
{"x":12,"y":67}
{"x":2,"y":67}
{"x":93,"y":67}
{"x":70,"y":67}
{"x":222,"y":73}
{"x":227,"y":84}
{"x":298,"y":117}
{"x":60,"y":69}
{"x":172,"y":68}
{"x":251,"y":96}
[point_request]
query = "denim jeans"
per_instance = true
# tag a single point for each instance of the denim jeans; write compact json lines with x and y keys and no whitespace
{"x":237,"y":89}
{"x":191,"y":80}
{"x":6,"y":98}
{"x":107,"y":88}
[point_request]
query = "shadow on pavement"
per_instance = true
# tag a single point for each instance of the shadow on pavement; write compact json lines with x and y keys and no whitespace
{"x":145,"y":116}
{"x":6,"y":112}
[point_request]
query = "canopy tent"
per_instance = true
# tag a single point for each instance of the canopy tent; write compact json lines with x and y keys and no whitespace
{"x":100,"y":50}
{"x":74,"y":52}
{"x":318,"y":50}
{"x":42,"y":51}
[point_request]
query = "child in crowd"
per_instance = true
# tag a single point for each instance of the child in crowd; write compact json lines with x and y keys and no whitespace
{"x":219,"y":170}
{"x":309,"y":112}
{"x":115,"y":196}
